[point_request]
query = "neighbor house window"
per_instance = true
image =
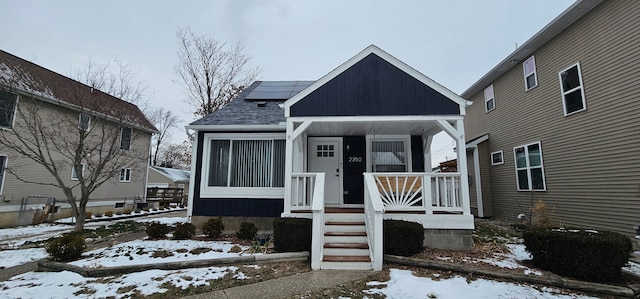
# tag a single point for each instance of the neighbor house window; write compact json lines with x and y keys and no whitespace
{"x":84,"y":121}
{"x":497,"y":158}
{"x":180,"y":186}
{"x":76,"y":170}
{"x":253,"y":163}
{"x":489,"y":99}
{"x":3,"y":166}
{"x":125,"y":175}
{"x":7,"y":108}
{"x":389,"y":155}
{"x":529,"y":167}
{"x":572,"y":90}
{"x":530,"y":77}
{"x":125,"y":139}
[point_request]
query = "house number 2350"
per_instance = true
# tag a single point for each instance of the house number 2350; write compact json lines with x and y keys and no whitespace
{"x":355,"y":159}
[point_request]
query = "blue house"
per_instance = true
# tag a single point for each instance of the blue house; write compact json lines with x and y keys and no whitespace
{"x":347,"y":150}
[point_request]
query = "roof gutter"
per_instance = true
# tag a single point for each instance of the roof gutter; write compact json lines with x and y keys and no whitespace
{"x":238,"y":128}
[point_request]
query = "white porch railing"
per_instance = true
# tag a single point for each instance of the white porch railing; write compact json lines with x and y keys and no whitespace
{"x":302,"y":190}
{"x":404,"y":191}
{"x":373,"y":210}
{"x":317,"y":225}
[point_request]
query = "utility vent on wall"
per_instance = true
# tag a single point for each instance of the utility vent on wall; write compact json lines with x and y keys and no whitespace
{"x":262,"y":104}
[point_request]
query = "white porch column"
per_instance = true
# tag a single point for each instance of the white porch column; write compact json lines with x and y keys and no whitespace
{"x":288,"y":167}
{"x":462,"y":167}
{"x":426,"y":148}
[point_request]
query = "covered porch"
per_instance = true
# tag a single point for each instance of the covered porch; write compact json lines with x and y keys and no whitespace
{"x":391,"y":156}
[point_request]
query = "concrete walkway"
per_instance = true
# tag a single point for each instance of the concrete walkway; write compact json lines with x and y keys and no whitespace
{"x":288,"y":285}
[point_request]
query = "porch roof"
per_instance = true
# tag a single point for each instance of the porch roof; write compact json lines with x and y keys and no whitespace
{"x":373,"y":125}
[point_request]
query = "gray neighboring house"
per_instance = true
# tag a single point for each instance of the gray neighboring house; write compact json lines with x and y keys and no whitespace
{"x":559,"y":120}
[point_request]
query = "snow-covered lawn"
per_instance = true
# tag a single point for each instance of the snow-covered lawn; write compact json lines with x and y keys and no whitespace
{"x":401,"y":284}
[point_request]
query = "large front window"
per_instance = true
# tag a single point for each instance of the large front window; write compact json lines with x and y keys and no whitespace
{"x":7,"y":108}
{"x":529,"y":167}
{"x":246,"y":163}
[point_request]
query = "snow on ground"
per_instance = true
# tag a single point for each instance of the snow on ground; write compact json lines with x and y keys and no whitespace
{"x":141,"y":252}
{"x":128,"y":216}
{"x":69,"y":284}
{"x":511,"y":260}
{"x":403,"y":284}
{"x":165,"y":220}
{"x":11,"y":258}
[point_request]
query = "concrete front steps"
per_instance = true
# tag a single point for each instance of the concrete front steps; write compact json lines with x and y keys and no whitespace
{"x":346,"y":246}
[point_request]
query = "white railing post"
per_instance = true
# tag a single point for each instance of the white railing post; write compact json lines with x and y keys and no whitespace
{"x":317,"y":230}
{"x":427,"y":196}
{"x":374,"y":209}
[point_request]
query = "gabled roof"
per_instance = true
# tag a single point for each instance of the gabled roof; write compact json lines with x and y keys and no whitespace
{"x":557,"y":25}
{"x":372,"y":49}
{"x":175,"y":175}
{"x":257,"y":104}
{"x":31,"y":79}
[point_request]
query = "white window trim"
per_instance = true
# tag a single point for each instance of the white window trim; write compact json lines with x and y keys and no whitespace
{"x":88,"y":128}
{"x":528,"y":167}
{"x":501,"y":158}
{"x":4,"y":172}
{"x":15,"y":111}
{"x":235,"y":192}
{"x":125,"y":179}
{"x":181,"y":186}
{"x":581,"y":87}
{"x":72,"y":171}
{"x":407,"y":147}
{"x":492,"y":98}
{"x":534,"y":73}
{"x":130,"y":138}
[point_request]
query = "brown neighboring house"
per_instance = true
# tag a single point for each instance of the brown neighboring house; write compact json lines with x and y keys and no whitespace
{"x":25,"y":84}
{"x":559,"y":120}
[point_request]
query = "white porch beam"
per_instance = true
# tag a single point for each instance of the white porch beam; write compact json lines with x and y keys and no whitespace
{"x":288,"y":167}
{"x":427,"y":140}
{"x":447,"y":127}
{"x":478,"y":181}
{"x":300,"y":129}
{"x":462,"y":167}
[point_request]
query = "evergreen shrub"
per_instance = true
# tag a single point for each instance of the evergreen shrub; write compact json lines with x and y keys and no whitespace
{"x":402,"y":238}
{"x":291,"y":234}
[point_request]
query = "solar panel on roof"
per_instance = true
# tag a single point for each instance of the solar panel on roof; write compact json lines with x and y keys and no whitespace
{"x":277,"y":90}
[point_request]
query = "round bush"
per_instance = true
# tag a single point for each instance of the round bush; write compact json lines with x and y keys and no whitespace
{"x":581,"y":253}
{"x":67,"y":248}
{"x":213,"y":228}
{"x":247,"y":231}
{"x":156,"y":230}
{"x":184,"y":231}
{"x":402,"y":238}
{"x":292,"y":234}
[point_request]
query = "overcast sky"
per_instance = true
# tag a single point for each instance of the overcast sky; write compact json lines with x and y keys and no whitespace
{"x":453,"y":42}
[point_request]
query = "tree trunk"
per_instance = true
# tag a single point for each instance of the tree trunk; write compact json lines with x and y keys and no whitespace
{"x":80,"y":219}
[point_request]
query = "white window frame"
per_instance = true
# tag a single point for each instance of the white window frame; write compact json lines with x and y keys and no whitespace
{"x":533,"y":73}
{"x":235,"y":192}
{"x":125,"y":175}
{"x":489,"y":96}
{"x":407,"y":148}
{"x":122,"y":138}
{"x":501,"y":153}
{"x":73,"y":171}
{"x":180,"y":186}
{"x":581,"y":88}
{"x":528,"y":167}
{"x":80,"y":124}
{"x":13,"y":116}
{"x":3,"y":171}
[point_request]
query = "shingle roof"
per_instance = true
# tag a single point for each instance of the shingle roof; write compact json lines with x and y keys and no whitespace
{"x":29,"y":78}
{"x":258,"y":104}
{"x":176,"y":175}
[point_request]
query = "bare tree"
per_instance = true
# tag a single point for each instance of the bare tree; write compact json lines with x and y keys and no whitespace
{"x":67,"y":126}
{"x":164,"y":121}
{"x":211,"y":72}
{"x":177,"y":156}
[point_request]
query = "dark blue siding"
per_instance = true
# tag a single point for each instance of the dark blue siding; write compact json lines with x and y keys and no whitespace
{"x":373,"y":86}
{"x":248,"y":207}
{"x":417,"y":154}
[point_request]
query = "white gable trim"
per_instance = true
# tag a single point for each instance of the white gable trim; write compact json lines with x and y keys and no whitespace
{"x":372,"y":49}
{"x":474,"y":143}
